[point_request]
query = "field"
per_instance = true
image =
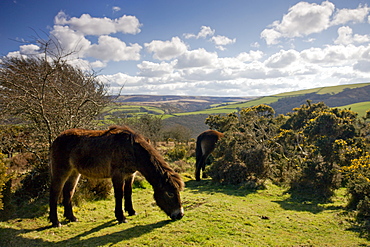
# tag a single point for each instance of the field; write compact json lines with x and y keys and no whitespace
{"x":214,"y":216}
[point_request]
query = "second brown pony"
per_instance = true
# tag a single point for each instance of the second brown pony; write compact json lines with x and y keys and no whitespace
{"x":116,"y":153}
{"x":206,"y":143}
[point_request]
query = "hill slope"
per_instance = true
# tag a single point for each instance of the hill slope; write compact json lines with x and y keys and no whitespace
{"x":191,"y":111}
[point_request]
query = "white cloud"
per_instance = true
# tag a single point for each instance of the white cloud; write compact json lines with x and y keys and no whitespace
{"x":116,"y":8}
{"x":166,"y":50}
{"x":196,"y":58}
{"x":346,"y":37}
{"x":29,"y":49}
{"x":150,"y":69}
{"x":336,"y":55}
{"x":221,"y":41}
{"x":248,"y":57}
{"x":282,"y":59}
{"x":99,"y":26}
{"x":203,"y":33}
{"x":302,"y":19}
{"x":98,"y":64}
{"x":362,"y":65}
{"x":343,"y":16}
{"x":111,"y":48}
{"x":70,"y":40}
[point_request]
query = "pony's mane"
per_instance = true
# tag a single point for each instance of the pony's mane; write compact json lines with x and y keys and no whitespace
{"x":160,"y":164}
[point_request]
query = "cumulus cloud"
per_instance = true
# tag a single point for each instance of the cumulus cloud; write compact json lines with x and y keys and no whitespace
{"x":150,"y":69}
{"x":362,"y":65}
{"x":111,"y":48}
{"x":307,"y":18}
{"x":166,"y":50}
{"x":88,"y":25}
{"x":250,"y":56}
{"x":29,"y":49}
{"x":302,"y":19}
{"x":221,"y":41}
{"x":282,"y":59}
{"x":203,"y":33}
{"x":196,"y":58}
{"x":70,"y":40}
{"x":345,"y":36}
{"x":343,"y":16}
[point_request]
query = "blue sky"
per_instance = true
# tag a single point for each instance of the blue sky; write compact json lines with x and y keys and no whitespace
{"x":200,"y":47}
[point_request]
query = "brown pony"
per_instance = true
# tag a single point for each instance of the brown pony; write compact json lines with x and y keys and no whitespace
{"x":116,"y":153}
{"x":206,"y":143}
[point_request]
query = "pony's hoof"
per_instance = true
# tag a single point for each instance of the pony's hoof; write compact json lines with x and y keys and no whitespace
{"x":131,"y":213}
{"x":122,"y":221}
{"x":73,"y":219}
{"x":57,"y":224}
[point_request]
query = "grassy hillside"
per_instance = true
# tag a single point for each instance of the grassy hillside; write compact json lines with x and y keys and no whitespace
{"x":214,"y":216}
{"x":178,"y":109}
{"x":360,"y":108}
{"x":288,"y":101}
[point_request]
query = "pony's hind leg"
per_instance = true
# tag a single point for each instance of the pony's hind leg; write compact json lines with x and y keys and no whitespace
{"x":127,"y":193}
{"x":199,"y":166}
{"x":55,"y":191}
{"x":68,"y":191}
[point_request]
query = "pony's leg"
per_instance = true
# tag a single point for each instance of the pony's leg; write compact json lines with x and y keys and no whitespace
{"x":127,"y":193}
{"x":204,"y":175}
{"x":68,"y":191}
{"x":55,"y":191}
{"x":200,"y":166}
{"x":197,"y":170}
{"x":118,"y":195}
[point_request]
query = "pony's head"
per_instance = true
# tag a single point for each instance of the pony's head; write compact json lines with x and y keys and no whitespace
{"x":167,"y":196}
{"x":166,"y":183}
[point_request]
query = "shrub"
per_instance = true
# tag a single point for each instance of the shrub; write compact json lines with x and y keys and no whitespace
{"x":35,"y":182}
{"x":318,"y":179}
{"x":4,"y":177}
{"x":358,"y":185}
{"x":243,"y":154}
{"x":178,"y":152}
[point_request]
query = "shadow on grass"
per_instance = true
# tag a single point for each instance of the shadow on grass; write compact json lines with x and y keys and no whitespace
{"x":13,"y":237}
{"x":306,"y":202}
{"x":209,"y":187}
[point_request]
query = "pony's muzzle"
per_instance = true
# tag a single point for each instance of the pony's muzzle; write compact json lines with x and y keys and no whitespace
{"x":177,"y":214}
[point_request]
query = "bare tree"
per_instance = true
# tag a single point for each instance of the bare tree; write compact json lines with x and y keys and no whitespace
{"x":48,"y":93}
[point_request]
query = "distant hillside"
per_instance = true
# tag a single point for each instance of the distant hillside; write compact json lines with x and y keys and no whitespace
{"x":176,"y":104}
{"x":283,"y":103}
{"x":191,"y":111}
{"x":347,"y":96}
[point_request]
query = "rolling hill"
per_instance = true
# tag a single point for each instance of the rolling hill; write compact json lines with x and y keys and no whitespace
{"x":191,"y":111}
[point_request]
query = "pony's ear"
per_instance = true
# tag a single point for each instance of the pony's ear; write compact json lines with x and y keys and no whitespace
{"x":132,"y":138}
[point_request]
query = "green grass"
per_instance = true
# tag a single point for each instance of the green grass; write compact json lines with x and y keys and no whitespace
{"x":361,"y":108}
{"x":214,"y":216}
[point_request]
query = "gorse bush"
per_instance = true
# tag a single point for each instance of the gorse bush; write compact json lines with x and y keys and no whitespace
{"x":358,"y":176}
{"x":243,"y":153}
{"x":178,"y":152}
{"x":305,"y":149}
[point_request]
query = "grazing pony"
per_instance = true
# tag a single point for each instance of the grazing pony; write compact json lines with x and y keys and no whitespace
{"x":206,"y":143}
{"x":116,"y":153}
